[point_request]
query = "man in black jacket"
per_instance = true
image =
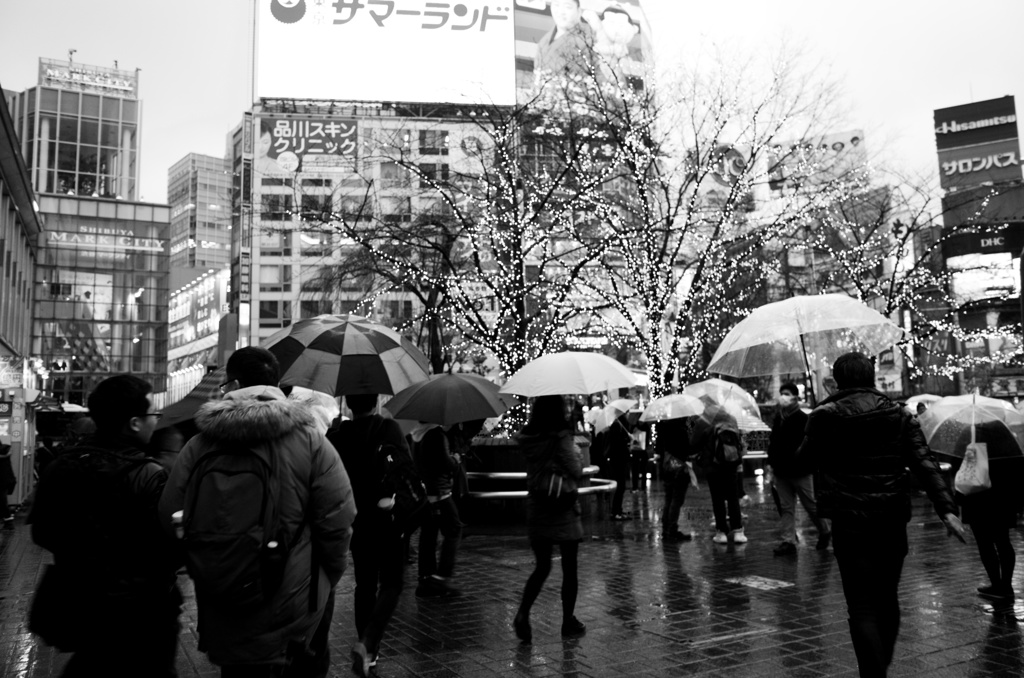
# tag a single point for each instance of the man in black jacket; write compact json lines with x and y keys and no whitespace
{"x":96,"y":511}
{"x":790,"y":478}
{"x":862,"y":444}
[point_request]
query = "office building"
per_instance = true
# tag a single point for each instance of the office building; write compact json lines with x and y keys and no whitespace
{"x":199,"y":193}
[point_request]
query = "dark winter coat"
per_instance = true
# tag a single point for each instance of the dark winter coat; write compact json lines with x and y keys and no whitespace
{"x":435,"y":463}
{"x":357,"y":441}
{"x":542,"y":520}
{"x":783,"y":442}
{"x":862,"y":443}
{"x":315,"y":503}
{"x":8,"y":481}
{"x":999,"y":505}
{"x":95,"y":509}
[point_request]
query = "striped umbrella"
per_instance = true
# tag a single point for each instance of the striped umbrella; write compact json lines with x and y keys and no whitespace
{"x":346,"y":355}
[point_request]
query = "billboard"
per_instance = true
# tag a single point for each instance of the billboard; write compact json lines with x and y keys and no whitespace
{"x":816,"y":160}
{"x":977,"y":143}
{"x":386,"y":50}
{"x":466,"y":52}
{"x":287,"y":145}
{"x":94,"y":79}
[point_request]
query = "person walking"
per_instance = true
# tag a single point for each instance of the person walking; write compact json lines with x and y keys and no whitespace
{"x":790,"y":478}
{"x":619,"y":438}
{"x":672,"y":445}
{"x":378,"y":550}
{"x":862,"y":444}
{"x":95,"y":509}
{"x":547,"y":441}
{"x":281,"y":631}
{"x":8,"y":483}
{"x":438,"y":468}
{"x":717,"y":442}
{"x":992,"y":513}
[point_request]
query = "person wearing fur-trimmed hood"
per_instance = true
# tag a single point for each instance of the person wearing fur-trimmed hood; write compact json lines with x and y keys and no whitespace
{"x":316,"y":510}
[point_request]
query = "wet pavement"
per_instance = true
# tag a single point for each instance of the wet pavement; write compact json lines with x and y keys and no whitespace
{"x":651,"y":608}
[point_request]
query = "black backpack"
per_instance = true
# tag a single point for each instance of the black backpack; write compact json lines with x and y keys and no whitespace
{"x":728,"y":447}
{"x":235,"y":547}
{"x":401,"y":495}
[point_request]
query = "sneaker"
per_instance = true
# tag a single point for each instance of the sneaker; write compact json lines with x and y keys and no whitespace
{"x":620,"y":516}
{"x":996,"y":591}
{"x":738,"y":537}
{"x":360,"y":660}
{"x":823,"y":541}
{"x":720,"y":538}
{"x":786,"y":548}
{"x":573,"y":627}
{"x":432,"y":587}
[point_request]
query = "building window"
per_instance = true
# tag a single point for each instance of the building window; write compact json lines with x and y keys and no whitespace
{"x":277,"y":208}
{"x":396,"y":210}
{"x":275,"y":313}
{"x":433,"y":142}
{"x":431,"y":173}
{"x":275,"y":278}
{"x":393,"y":175}
{"x":316,"y":208}
{"x":311,"y":308}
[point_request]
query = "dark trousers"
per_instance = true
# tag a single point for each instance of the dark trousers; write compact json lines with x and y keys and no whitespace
{"x":443,"y":518}
{"x":996,"y":551}
{"x":870,"y":563}
{"x":724,"y":496}
{"x":676,"y":485}
{"x":140,"y":641}
{"x":620,"y":474}
{"x":542,"y":552}
{"x":378,"y":559}
{"x":638,"y":469}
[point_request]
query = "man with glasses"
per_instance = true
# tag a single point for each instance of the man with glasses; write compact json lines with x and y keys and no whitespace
{"x":95,"y":510}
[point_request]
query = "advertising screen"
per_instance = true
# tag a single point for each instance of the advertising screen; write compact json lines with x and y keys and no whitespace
{"x":978,"y":143}
{"x":386,"y":50}
{"x":470,"y":51}
{"x":284,"y":146}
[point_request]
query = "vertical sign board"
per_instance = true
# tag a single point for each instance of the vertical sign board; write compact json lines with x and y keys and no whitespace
{"x":977,"y":143}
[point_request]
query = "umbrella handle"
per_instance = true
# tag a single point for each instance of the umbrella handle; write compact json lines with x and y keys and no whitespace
{"x":974,"y":414}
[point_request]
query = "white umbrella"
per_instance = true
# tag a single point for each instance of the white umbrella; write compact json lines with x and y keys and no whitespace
{"x":801,"y":334}
{"x":733,"y":399}
{"x":569,"y":373}
{"x":947,"y":424}
{"x":675,"y":406}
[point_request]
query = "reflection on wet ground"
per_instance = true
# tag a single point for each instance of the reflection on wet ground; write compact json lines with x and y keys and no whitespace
{"x":651,"y":608}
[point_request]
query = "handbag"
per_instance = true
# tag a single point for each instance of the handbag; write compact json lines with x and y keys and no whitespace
{"x":553,"y":486}
{"x":973,"y":476}
{"x":57,"y":614}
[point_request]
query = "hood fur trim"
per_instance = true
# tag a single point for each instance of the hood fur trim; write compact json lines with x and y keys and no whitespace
{"x":255,"y":414}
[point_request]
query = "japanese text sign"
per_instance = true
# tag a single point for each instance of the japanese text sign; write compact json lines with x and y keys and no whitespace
{"x":291,"y":145}
{"x":386,"y":50}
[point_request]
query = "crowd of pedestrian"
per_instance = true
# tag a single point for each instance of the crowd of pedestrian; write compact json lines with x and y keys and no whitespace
{"x":264,"y":503}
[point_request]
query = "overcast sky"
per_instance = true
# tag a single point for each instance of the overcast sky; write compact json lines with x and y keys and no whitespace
{"x":897,"y":59}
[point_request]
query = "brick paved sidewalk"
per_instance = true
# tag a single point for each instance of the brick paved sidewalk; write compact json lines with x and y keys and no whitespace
{"x":652,"y":609}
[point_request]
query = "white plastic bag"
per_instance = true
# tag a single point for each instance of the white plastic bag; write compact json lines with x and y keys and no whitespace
{"x":973,"y":474}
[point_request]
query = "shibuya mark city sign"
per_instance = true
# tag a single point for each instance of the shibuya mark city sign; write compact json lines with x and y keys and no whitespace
{"x":462,"y":52}
{"x":977,"y":143}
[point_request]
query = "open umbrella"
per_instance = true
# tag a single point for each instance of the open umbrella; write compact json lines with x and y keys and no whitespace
{"x":802,"y":334}
{"x":569,"y":373}
{"x":731,"y":398}
{"x":947,"y":424}
{"x":186,"y":408}
{"x":448,"y":399}
{"x":926,"y":398}
{"x":610,"y":412}
{"x":346,"y":355}
{"x":675,"y":406}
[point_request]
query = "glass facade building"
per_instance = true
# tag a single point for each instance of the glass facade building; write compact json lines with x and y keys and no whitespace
{"x":101,"y":293}
{"x":199,"y":192}
{"x":79,"y":130}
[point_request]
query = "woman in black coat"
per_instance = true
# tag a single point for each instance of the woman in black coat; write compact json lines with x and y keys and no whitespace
{"x":992,"y":513}
{"x":548,"y":436}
